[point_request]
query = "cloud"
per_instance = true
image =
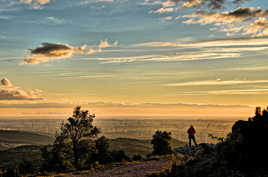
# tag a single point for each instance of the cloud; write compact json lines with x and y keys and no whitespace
{"x":197,"y":51}
{"x":239,"y":92}
{"x":246,"y":42}
{"x":5,"y":82}
{"x":253,"y":68}
{"x":105,"y":0}
{"x":258,"y":28}
{"x":35,"y":4}
{"x":164,"y":10}
{"x":106,"y":44}
{"x":248,"y":21}
{"x":257,"y":91}
{"x":56,"y":51}
{"x":50,"y":51}
{"x":241,"y":21}
{"x":10,"y":92}
{"x":191,"y":56}
{"x":146,"y":105}
{"x":38,"y":105}
{"x":168,"y":18}
{"x":238,"y":15}
{"x":55,"y":20}
{"x":217,"y":83}
{"x":123,"y":104}
{"x":211,"y":4}
{"x":35,"y":105}
{"x":169,"y":3}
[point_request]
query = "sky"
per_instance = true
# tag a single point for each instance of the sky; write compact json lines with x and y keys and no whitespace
{"x":127,"y":58}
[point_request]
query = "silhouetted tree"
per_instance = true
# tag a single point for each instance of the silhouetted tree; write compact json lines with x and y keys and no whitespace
{"x":78,"y":128}
{"x":161,"y":143}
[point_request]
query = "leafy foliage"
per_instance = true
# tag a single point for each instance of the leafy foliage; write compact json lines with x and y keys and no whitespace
{"x":161,"y":143}
{"x":73,"y":144}
{"x":78,"y":126}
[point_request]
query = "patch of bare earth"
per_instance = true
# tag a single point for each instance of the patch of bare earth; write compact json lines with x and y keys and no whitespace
{"x":132,"y":170}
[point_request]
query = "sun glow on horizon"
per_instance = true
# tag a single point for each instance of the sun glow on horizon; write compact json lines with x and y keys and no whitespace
{"x":133,"y":58}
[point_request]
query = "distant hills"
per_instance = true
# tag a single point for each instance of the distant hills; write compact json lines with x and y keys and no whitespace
{"x":23,"y":145}
{"x":13,"y":138}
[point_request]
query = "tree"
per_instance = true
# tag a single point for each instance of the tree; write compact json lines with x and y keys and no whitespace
{"x":161,"y":143}
{"x":77,"y":128}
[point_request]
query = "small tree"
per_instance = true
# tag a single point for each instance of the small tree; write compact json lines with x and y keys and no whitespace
{"x":77,"y":128}
{"x":161,"y":143}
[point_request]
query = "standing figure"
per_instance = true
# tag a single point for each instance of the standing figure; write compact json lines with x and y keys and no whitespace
{"x":191,"y":132}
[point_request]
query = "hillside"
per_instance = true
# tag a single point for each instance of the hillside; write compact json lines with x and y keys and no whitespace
{"x":13,"y":138}
{"x":136,"y":146}
{"x":21,"y":145}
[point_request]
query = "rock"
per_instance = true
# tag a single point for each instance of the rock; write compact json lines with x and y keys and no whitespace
{"x":192,"y":151}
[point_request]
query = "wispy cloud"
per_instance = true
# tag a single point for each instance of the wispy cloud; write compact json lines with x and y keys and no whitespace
{"x":10,"y":92}
{"x":191,"y":56}
{"x":55,"y":20}
{"x":105,"y":0}
{"x":106,"y":44}
{"x":202,"y":50}
{"x":257,"y":91}
{"x":144,"y":105}
{"x":217,"y":82}
{"x":37,"y":105}
{"x":247,"y":21}
{"x":253,"y":68}
{"x":239,"y":92}
{"x":259,"y":42}
{"x":241,"y":21}
{"x":196,"y":4}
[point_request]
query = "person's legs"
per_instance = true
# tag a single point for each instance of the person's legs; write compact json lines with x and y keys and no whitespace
{"x":194,"y":140}
{"x":190,"y":143}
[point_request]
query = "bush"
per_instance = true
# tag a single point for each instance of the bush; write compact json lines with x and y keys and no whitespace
{"x":12,"y":172}
{"x":137,"y":157}
{"x":161,"y":143}
{"x":27,"y":167}
{"x":119,"y":156}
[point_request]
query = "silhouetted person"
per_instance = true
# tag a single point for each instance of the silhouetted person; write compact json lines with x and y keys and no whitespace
{"x":191,"y":132}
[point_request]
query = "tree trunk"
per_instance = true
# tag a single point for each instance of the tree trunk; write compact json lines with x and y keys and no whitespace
{"x":75,"y":155}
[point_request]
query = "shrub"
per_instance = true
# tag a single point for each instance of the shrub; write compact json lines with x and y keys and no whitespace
{"x":137,"y":157}
{"x":161,"y":143}
{"x":119,"y":156}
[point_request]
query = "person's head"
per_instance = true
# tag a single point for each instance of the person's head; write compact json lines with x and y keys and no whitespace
{"x":191,"y":126}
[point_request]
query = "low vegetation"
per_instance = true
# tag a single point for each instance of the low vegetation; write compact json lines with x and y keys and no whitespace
{"x":242,"y":153}
{"x":161,"y":143}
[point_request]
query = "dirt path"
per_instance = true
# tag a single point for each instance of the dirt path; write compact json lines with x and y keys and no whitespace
{"x":132,"y":170}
